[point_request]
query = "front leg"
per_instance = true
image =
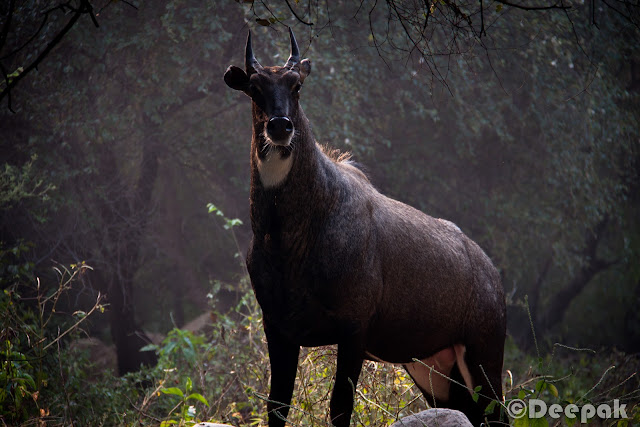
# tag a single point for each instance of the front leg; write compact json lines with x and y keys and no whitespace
{"x":283,"y":356}
{"x":350,"y":358}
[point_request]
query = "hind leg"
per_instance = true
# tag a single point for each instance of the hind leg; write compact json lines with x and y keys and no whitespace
{"x":448,"y":378}
{"x":484,"y":357}
{"x":433,"y":375}
{"x":486,"y":370}
{"x":349,"y":365}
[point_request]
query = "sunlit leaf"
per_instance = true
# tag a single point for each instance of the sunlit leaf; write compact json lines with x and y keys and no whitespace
{"x":553,"y":390}
{"x":173,"y":390}
{"x":198,"y":397}
{"x":490,"y":407}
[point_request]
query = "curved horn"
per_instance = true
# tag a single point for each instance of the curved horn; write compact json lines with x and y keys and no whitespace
{"x":250,"y":62}
{"x":295,"y":52}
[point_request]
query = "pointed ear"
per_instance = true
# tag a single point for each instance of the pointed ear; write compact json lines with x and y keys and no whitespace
{"x":236,"y":78}
{"x":304,"y":68}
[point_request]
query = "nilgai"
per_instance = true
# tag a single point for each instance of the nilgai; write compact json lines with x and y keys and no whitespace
{"x":333,"y":261}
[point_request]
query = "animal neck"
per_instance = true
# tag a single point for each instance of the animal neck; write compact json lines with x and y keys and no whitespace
{"x":288,"y":184}
{"x":271,"y":164}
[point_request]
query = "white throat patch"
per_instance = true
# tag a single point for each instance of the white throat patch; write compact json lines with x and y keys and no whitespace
{"x":274,"y":169}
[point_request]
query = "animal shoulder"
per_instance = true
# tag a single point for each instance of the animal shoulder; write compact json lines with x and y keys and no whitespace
{"x":343,"y":161}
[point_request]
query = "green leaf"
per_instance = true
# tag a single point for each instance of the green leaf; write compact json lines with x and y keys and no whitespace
{"x":173,"y":390}
{"x":29,"y":380}
{"x":149,"y":347}
{"x":263,"y":22}
{"x":16,"y":73}
{"x":525,"y":421}
{"x":490,"y":407}
{"x":199,"y":397}
{"x":553,"y":390}
{"x":522,"y":422}
{"x":570,"y":421}
{"x":233,"y":222}
{"x":475,"y":396}
{"x":539,"y":422}
{"x":169,"y":348}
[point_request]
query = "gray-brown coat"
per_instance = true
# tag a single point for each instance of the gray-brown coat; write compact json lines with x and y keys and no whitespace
{"x":334,"y":261}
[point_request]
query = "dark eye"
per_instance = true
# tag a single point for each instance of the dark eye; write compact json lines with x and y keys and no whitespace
{"x":297,"y":87}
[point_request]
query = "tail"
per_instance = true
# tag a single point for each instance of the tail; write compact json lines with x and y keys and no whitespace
{"x":460,"y":350}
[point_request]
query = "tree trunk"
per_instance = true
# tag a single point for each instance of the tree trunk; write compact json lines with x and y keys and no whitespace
{"x":191,"y":287}
{"x":560,"y":302}
{"x":125,"y":332}
{"x":128,"y":337}
{"x":632,"y":324}
{"x":124,"y":220}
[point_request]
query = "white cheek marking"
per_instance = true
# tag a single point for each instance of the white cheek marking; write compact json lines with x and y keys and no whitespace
{"x":274,"y":169}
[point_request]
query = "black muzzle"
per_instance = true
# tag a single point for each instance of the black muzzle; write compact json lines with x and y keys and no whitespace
{"x":280,"y":129}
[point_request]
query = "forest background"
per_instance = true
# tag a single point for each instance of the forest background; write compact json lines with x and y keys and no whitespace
{"x":125,"y":178}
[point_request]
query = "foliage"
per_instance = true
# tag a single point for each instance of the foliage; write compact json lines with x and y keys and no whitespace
{"x":49,"y":376}
{"x":21,"y":183}
{"x":575,"y":376}
{"x":187,"y":412}
{"x":31,"y":326}
{"x":530,"y":150}
{"x":221,"y":374}
{"x":474,"y":150}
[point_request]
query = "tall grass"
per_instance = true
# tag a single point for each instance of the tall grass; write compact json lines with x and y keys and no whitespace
{"x":221,"y":373}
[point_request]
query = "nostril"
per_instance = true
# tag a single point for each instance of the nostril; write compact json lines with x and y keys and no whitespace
{"x":279,"y":127}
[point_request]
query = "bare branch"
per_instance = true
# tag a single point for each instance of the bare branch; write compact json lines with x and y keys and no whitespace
{"x":95,"y":307}
{"x":42,"y":24}
{"x":524,"y":7}
{"x":561,"y":300}
{"x":482,"y":30}
{"x":7,"y":81}
{"x":296,"y":15}
{"x":113,"y":1}
{"x":85,"y":8}
{"x":7,"y":24}
{"x":628,"y":17}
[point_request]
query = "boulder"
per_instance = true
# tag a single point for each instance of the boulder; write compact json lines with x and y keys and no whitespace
{"x":435,"y":417}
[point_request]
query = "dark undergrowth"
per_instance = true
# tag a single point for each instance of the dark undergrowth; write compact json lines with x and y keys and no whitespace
{"x":54,"y":375}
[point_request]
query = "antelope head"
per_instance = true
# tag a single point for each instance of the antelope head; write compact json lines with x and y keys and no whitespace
{"x":275,"y":92}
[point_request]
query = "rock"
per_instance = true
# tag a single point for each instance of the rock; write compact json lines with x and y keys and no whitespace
{"x":435,"y":417}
